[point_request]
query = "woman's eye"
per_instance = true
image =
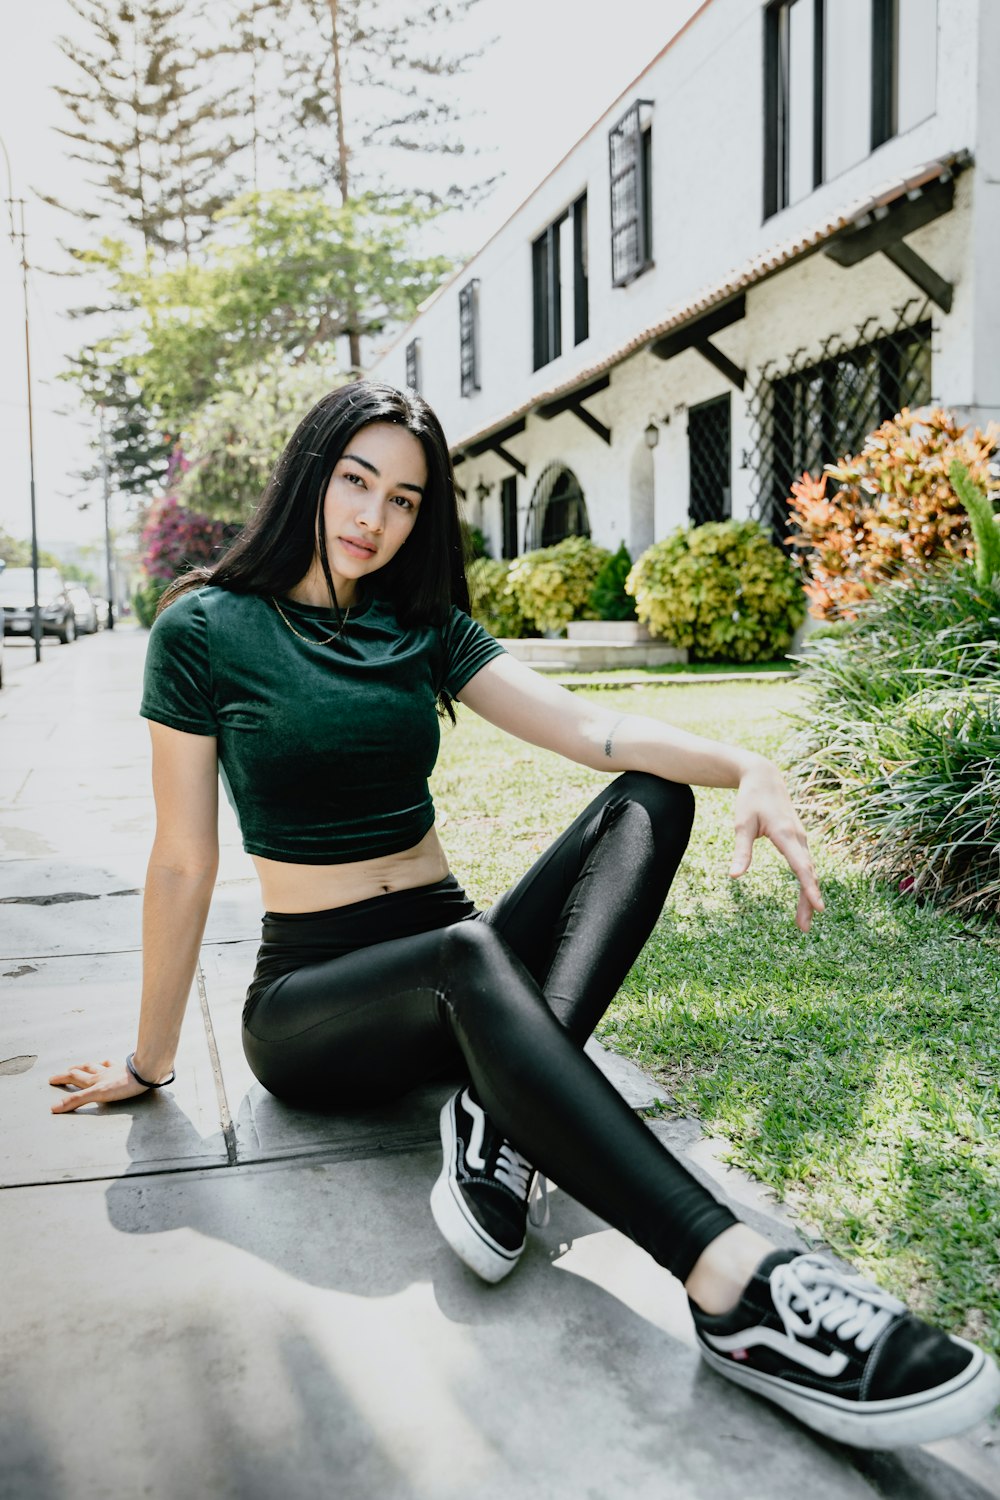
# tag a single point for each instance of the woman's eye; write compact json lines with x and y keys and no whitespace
{"x":403,"y":500}
{"x":354,"y":476}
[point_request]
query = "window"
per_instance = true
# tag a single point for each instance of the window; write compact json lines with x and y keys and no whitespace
{"x":581,"y":277}
{"x":793,"y":101}
{"x":413,"y":365}
{"x":508,"y":514}
{"x":904,"y":65}
{"x":557,"y":509}
{"x":546,"y":281}
{"x":709,"y":446}
{"x":547,"y":294}
{"x":468,"y":325}
{"x":631,"y":154}
{"x":840,"y":78}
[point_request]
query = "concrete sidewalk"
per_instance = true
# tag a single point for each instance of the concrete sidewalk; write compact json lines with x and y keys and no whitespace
{"x":208,"y":1294}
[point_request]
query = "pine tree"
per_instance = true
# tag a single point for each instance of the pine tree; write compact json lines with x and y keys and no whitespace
{"x":367,"y":90}
{"x":146,"y":122}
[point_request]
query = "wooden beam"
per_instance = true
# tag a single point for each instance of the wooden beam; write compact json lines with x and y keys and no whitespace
{"x":508,"y":458}
{"x":858,"y":241}
{"x":699,"y":329}
{"x":591,"y":421}
{"x":488,"y":444}
{"x":566,"y":403}
{"x":722,"y":362}
{"x":920,"y":273}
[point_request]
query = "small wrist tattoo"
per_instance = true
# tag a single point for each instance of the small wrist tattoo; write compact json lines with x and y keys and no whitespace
{"x":609,"y":743}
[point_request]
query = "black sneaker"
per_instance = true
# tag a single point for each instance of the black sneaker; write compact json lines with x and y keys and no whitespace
{"x":480,"y":1200}
{"x":845,"y":1357}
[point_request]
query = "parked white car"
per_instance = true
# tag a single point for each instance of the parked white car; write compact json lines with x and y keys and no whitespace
{"x":84,"y":609}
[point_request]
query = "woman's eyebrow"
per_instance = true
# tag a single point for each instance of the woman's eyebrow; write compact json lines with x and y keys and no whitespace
{"x":372,"y":470}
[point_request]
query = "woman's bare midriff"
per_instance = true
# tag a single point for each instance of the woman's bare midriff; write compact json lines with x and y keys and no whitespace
{"x":297,"y":888}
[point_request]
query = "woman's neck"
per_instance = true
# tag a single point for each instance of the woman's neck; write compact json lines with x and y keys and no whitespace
{"x":314,"y":589}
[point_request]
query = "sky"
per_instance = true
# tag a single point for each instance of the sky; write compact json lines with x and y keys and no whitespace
{"x":551,"y":71}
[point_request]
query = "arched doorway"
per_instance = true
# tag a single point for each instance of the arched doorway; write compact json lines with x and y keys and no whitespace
{"x":557,"y":509}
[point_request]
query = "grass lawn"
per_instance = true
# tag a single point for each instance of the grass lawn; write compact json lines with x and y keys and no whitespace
{"x":855,"y":1069}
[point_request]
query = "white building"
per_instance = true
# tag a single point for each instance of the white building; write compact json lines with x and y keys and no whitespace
{"x":783,"y":231}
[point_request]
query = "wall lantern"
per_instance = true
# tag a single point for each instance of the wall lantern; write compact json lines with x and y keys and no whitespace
{"x":652,"y":434}
{"x":483,"y":491}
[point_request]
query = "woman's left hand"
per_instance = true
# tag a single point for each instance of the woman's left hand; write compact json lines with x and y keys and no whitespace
{"x":764,"y":810}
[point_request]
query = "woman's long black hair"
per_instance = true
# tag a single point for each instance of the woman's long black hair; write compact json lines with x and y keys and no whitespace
{"x":275,"y":549}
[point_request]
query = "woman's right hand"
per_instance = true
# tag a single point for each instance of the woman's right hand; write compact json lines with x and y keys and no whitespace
{"x":95,"y":1083}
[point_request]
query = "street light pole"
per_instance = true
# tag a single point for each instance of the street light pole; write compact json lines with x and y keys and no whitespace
{"x":36,"y":617}
{"x":107,"y":523}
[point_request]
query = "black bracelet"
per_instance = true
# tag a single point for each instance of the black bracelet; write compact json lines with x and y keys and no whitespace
{"x":145,"y":1081}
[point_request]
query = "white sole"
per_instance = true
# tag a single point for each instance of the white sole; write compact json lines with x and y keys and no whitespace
{"x":899,"y":1423}
{"x":469,"y":1240}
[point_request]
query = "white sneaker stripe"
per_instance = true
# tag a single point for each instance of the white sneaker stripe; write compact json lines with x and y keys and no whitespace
{"x":474,"y":1157}
{"x":830,"y":1365}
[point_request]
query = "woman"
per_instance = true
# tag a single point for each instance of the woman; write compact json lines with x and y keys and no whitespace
{"x":306,"y":668}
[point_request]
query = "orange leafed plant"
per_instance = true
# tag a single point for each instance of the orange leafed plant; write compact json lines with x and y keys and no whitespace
{"x":894,"y":508}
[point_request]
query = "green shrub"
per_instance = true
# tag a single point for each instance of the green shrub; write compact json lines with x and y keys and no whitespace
{"x":147,"y":597}
{"x":552,"y":585}
{"x":474,"y":544}
{"x":898,"y":751}
{"x":493,"y":604}
{"x":723,"y":590}
{"x":608,"y":598}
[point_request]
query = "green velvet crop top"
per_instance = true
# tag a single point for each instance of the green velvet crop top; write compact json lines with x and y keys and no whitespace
{"x":324,"y":750}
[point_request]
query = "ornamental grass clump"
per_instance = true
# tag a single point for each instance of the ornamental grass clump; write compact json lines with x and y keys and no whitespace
{"x":493,"y":603}
{"x":897,"y":753}
{"x":723,"y":590}
{"x":552,"y":585}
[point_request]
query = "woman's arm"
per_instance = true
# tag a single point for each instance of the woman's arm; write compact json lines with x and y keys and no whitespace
{"x":179,"y":882}
{"x":522,"y":702}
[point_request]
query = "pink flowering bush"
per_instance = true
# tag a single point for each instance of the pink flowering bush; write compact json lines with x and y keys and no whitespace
{"x":175,"y":539}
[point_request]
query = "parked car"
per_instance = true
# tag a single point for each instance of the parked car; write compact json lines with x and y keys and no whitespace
{"x":103,"y":611}
{"x":2,"y":566}
{"x":17,"y":597}
{"x":84,"y":610}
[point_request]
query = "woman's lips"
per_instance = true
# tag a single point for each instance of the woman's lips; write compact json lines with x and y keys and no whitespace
{"x":356,"y":548}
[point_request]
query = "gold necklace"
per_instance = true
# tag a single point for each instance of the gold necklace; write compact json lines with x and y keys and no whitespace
{"x":308,"y":639}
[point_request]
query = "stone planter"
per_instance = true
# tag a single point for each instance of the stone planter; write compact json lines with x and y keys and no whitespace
{"x":611,"y":632}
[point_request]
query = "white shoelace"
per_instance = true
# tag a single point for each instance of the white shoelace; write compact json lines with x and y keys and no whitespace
{"x":809,"y":1293}
{"x":511,"y":1168}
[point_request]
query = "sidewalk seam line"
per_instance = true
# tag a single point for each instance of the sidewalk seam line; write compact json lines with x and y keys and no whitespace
{"x":225,"y":1114}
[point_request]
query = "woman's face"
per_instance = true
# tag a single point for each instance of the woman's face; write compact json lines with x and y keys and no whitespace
{"x":371,"y":503}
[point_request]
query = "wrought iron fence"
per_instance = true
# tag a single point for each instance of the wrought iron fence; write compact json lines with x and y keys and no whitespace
{"x":811,"y":412}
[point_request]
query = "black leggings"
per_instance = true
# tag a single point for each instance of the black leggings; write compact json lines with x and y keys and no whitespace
{"x":358,"y":1004}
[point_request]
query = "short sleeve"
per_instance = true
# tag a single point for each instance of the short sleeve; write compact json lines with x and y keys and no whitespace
{"x":467,"y":648}
{"x":177,"y":685}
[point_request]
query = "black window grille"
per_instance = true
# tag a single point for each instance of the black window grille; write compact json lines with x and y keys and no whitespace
{"x":816,"y":411}
{"x":581,"y":276}
{"x":793,"y":101}
{"x":468,"y":324}
{"x":630,"y":149}
{"x":547,"y":294}
{"x":413,"y":365}
{"x":709,"y":460}
{"x":508,"y":514}
{"x":557,"y":509}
